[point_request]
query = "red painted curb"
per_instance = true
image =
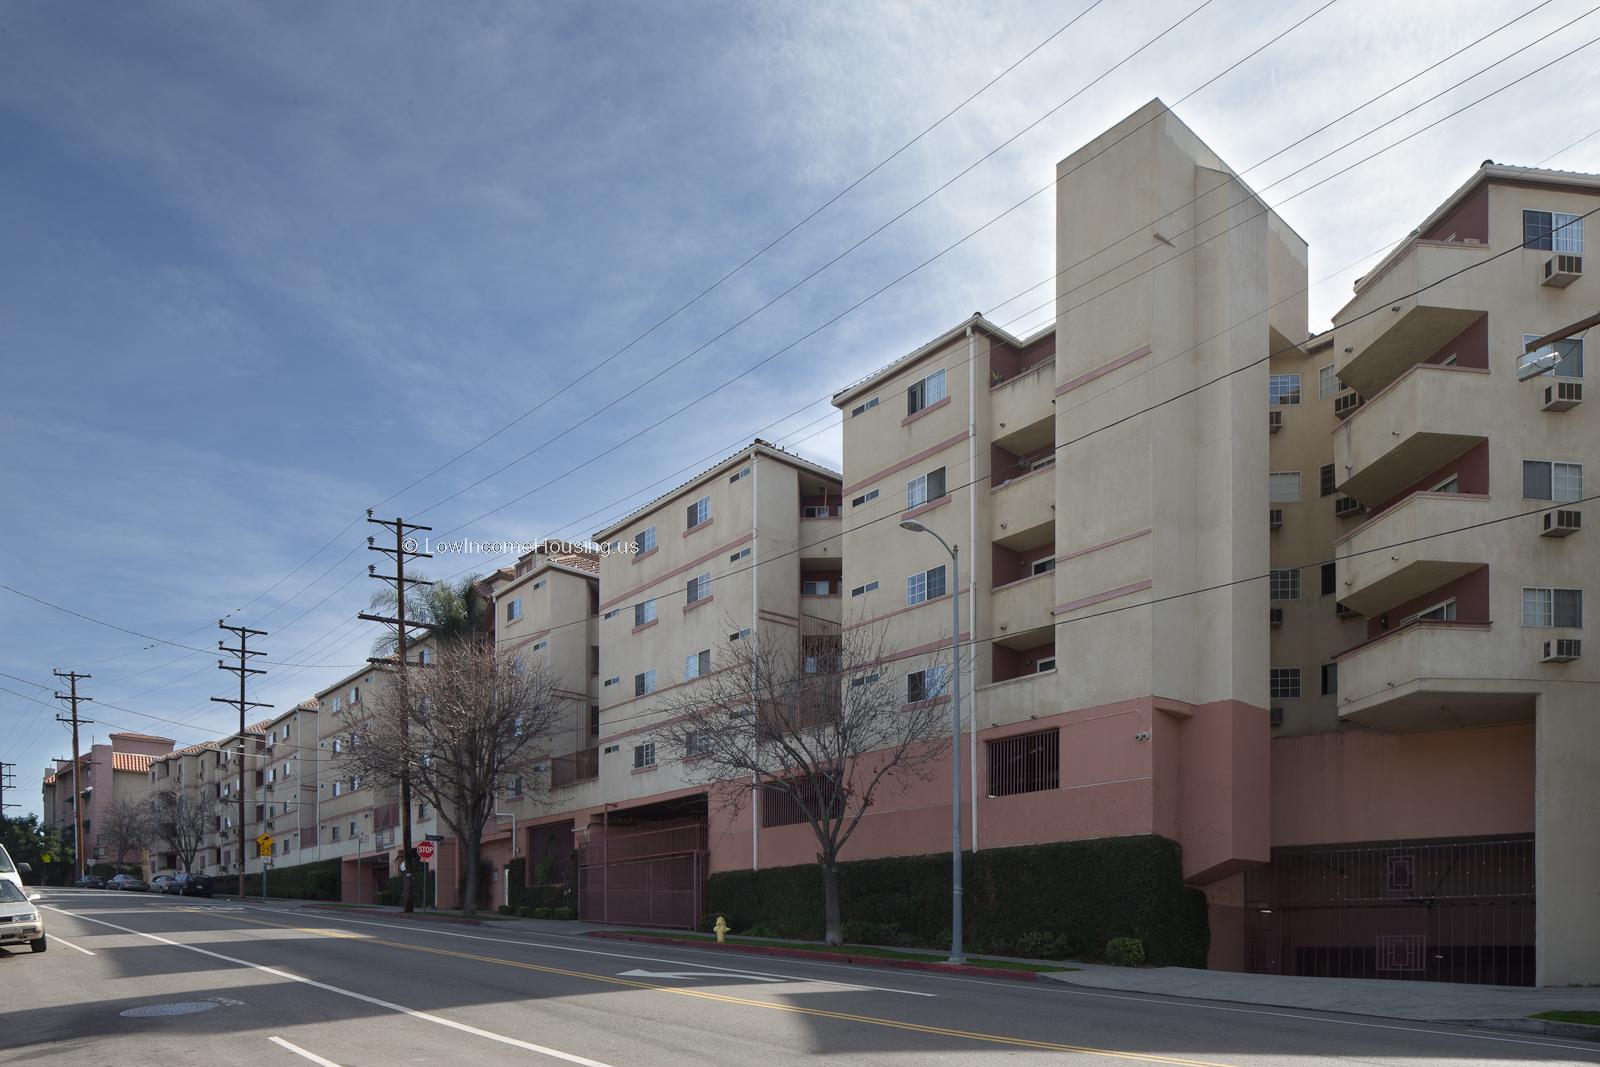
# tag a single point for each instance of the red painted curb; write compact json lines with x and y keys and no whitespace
{"x":831,"y":957}
{"x":395,"y":914}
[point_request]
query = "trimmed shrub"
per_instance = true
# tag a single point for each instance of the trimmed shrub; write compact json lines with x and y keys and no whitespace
{"x":541,"y":913}
{"x":506,"y":909}
{"x":303,"y":881}
{"x":525,"y":913}
{"x":1041,"y":945}
{"x":563,"y":913}
{"x":1125,"y":951}
{"x":540,"y":896}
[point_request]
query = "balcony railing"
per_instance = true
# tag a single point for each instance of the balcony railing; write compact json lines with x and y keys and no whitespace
{"x":1424,"y":419}
{"x":1429,"y":675}
{"x":1396,"y":557}
{"x":580,"y":766}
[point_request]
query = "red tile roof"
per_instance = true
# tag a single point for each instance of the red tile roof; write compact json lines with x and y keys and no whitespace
{"x":130,"y":761}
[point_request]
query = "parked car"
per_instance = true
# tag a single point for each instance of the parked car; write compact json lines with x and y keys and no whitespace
{"x":90,"y":881}
{"x":161,"y":883}
{"x":12,"y":872}
{"x":21,"y":922}
{"x":190,"y":885}
{"x":131,"y":882}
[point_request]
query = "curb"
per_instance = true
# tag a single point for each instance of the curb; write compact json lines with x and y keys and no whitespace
{"x":830,"y":957}
{"x":1548,"y":1027}
{"x":414,"y":917}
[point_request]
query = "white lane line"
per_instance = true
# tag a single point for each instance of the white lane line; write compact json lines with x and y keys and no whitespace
{"x":58,"y":939}
{"x":437,"y":1020}
{"x":298,"y":1051}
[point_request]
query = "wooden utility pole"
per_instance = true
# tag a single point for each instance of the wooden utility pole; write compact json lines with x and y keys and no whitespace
{"x":405,"y":547}
{"x":78,"y":848}
{"x":243,"y":669}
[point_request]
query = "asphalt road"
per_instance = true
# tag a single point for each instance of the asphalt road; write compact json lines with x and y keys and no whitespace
{"x":270,"y":986}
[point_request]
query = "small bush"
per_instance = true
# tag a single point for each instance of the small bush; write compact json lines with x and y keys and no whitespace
{"x":542,"y":913}
{"x":525,"y":912}
{"x":1040,"y":945}
{"x":1125,"y":951}
{"x":760,"y":930}
{"x":563,"y":913}
{"x":871,"y":933}
{"x":506,"y":909}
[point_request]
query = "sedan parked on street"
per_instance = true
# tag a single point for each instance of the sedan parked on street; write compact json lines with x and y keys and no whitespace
{"x":190,"y":885}
{"x":90,"y":881}
{"x":161,"y":883}
{"x":21,"y":922}
{"x":131,"y":882}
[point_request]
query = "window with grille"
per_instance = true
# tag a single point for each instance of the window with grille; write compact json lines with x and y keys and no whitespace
{"x":699,"y":588}
{"x":1283,"y":389}
{"x":696,"y":664}
{"x":1285,"y":683}
{"x":1027,"y":763}
{"x":699,"y":512}
{"x":782,"y":805}
{"x":1548,"y":480}
{"x":644,"y":612}
{"x":645,"y":540}
{"x":1285,"y":585}
{"x":926,"y":392}
{"x":1552,"y":607}
{"x":925,"y":585}
{"x":1283,"y":487}
{"x":924,"y":488}
{"x":1552,"y":231}
{"x":925,"y":684}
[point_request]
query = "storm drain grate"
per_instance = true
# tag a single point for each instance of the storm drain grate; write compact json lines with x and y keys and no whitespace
{"x":187,"y":1007}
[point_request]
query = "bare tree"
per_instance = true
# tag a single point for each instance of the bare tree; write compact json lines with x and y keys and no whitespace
{"x":464,"y":726}
{"x":823,"y":727}
{"x":125,"y":828}
{"x":181,"y":819}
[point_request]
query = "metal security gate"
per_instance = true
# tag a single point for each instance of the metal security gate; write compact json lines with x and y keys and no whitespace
{"x":1441,"y":910}
{"x":648,"y":877}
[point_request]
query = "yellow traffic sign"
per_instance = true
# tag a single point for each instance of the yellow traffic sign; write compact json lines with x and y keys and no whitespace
{"x":264,"y":845}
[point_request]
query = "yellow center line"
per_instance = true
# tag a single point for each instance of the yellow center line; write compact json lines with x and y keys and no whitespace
{"x":725,"y":998}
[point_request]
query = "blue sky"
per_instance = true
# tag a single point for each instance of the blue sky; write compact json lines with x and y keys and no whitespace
{"x":262,"y":266}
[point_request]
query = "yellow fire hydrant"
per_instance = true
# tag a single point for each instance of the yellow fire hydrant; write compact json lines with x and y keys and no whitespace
{"x":721,"y":929}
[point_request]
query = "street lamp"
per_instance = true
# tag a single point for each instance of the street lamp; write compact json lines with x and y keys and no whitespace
{"x":1538,"y":365}
{"x":914,"y":526}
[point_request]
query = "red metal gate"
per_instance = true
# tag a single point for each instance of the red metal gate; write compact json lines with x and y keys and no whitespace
{"x":648,"y":877}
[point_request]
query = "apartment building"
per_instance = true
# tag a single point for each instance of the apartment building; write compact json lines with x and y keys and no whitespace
{"x":114,"y":771}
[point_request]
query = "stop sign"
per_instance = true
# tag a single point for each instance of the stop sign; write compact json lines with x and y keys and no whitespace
{"x":425,"y":851}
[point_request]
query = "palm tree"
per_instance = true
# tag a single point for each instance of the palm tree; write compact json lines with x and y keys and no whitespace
{"x":455,"y":610}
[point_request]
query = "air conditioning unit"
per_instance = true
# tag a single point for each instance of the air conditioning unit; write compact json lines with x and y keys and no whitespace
{"x":1275,"y":616}
{"x":1562,"y":522}
{"x":1274,"y":421}
{"x":1277,"y":716}
{"x":1274,"y":517}
{"x":1559,"y":396}
{"x":1562,"y":650}
{"x":1345,"y":506}
{"x":1562,"y":269}
{"x":1345,"y":404}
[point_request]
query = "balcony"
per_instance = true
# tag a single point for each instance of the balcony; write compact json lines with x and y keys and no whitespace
{"x":1422,"y":421}
{"x":1023,"y":510}
{"x":580,"y":766}
{"x":1374,"y":578}
{"x":1023,"y":608}
{"x":1015,"y":699}
{"x":1024,"y":400}
{"x":1429,"y":676}
{"x":821,"y":535}
{"x":1406,"y":329}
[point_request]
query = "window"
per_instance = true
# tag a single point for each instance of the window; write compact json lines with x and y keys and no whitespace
{"x":698,"y":743}
{"x":925,"y":585}
{"x":514,"y":609}
{"x":355,"y":695}
{"x":644,"y":683}
{"x":1043,"y":566}
{"x":699,"y":588}
{"x":696,"y":664}
{"x":1327,"y":382}
{"x":743,"y":553}
{"x":742,"y":472}
{"x":1552,"y":607}
{"x":422,"y":810}
{"x":1545,"y":480}
{"x":355,"y":782}
{"x":514,"y":787}
{"x":1571,"y":349}
{"x":337,"y":746}
{"x":816,"y":511}
{"x":1451,"y":484}
{"x":1285,"y":683}
{"x":863,"y":589}
{"x":1552,"y":231}
{"x":538,"y":646}
{"x":1028,"y":763}
{"x":353,"y":829}
{"x":1046,"y":663}
{"x":741,"y":635}
{"x":424,"y":657}
{"x":818,"y":587}
{"x":539,"y":584}
{"x":1330,"y":578}
{"x":787,"y":804}
{"x":1445,"y":612}
{"x":338,"y":788}
{"x":1285,"y":585}
{"x":594,"y":720}
{"x":1283,"y":389}
{"x":924,"y":488}
{"x":1330,"y":679}
{"x":644,"y":755}
{"x":862,"y":409}
{"x":334,"y":833}
{"x":699,"y":512}
{"x":1283,"y":487}
{"x":925,"y":684}
{"x":613,"y":613}
{"x":1325,"y":480}
{"x":338,"y":705}
{"x":865,"y":679}
{"x":925,"y":393}
{"x":643,"y":612}
{"x":615,"y":679}
{"x":865,"y":498}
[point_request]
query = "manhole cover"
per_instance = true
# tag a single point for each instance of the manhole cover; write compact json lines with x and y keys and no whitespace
{"x":187,"y":1007}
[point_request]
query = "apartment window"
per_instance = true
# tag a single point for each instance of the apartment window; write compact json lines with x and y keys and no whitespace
{"x":698,"y":743}
{"x":743,"y":553}
{"x":514,"y":787}
{"x":539,"y":584}
{"x":538,"y":646}
{"x":865,"y":498}
{"x":355,"y":695}
{"x":1325,"y":480}
{"x":696,"y":664}
{"x":924,"y":488}
{"x":1327,"y":382}
{"x":1552,"y":231}
{"x":862,"y":409}
{"x":816,"y":511}
{"x":1546,"y":480}
{"x":338,"y":705}
{"x":1330,"y":679}
{"x":334,"y":833}
{"x":1451,"y":484}
{"x":743,"y":472}
{"x":741,"y":635}
{"x":644,"y":682}
{"x":615,"y":679}
{"x":514,"y":609}
{"x":1283,"y":389}
{"x":644,"y":755}
{"x":613,"y":613}
{"x":338,"y":788}
{"x":1283,"y":487}
{"x":925,"y":585}
{"x":1285,"y":585}
{"x":1330,"y":578}
{"x":594,"y":720}
{"x":1028,"y":763}
{"x":1444,"y":612}
{"x":925,"y":393}
{"x":861,"y":590}
{"x":699,"y":588}
{"x":925,"y":684}
{"x":643,"y":612}
{"x":699,"y":512}
{"x":1043,"y":566}
{"x":865,"y":679}
{"x":353,"y":832}
{"x":816,"y":588}
{"x":1552,"y":607}
{"x":1571,"y":350}
{"x":355,"y":782}
{"x":422,"y":810}
{"x":1285,"y":683}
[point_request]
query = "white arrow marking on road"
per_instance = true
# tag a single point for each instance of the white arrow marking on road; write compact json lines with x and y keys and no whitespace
{"x":697,"y":974}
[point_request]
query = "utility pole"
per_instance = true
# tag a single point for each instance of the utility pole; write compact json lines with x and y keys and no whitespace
{"x":77,"y":793}
{"x":405,"y":547}
{"x":7,"y":781}
{"x":243,"y":669}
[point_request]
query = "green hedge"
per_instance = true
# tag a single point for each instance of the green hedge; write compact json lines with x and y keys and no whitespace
{"x":540,"y":896}
{"x":303,"y":881}
{"x":1075,"y":895}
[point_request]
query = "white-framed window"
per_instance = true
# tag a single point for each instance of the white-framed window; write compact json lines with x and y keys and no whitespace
{"x":1444,"y":611}
{"x":697,"y":743}
{"x":1552,"y":231}
{"x":1043,"y":566}
{"x":864,"y":588}
{"x":865,"y":498}
{"x":1283,"y":389}
{"x":644,"y":611}
{"x":925,"y":684}
{"x":816,"y":511}
{"x":743,"y":553}
{"x":699,"y":512}
{"x":1571,"y":350}
{"x":422,"y":810}
{"x":355,"y":695}
{"x":928,"y":391}
{"x":816,"y":587}
{"x":355,"y":782}
{"x":862,"y":409}
{"x":697,"y":664}
{"x":1552,"y":607}
{"x":742,"y":472}
{"x":924,"y":487}
{"x":644,"y":683}
{"x":338,"y":788}
{"x":644,"y":755}
{"x":1285,"y":585}
{"x":334,"y":832}
{"x":1551,"y":480}
{"x":1285,"y":683}
{"x":514,"y":609}
{"x":1283,"y":487}
{"x":338,"y":704}
{"x":1451,"y":484}
{"x":615,"y":679}
{"x":539,"y":584}
{"x":864,"y":680}
{"x":538,"y":646}
{"x":1327,"y":382}
{"x":699,"y":588}
{"x":925,"y":585}
{"x":425,"y":656}
{"x":613,"y":613}
{"x":740,"y":636}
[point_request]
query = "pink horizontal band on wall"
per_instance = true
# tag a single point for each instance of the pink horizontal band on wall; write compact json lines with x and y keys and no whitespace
{"x":1104,"y":544}
{"x":1100,"y":598}
{"x":1099,"y":372}
{"x":953,"y":439}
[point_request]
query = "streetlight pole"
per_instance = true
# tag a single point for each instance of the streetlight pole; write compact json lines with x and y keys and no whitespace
{"x":956,"y":955}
